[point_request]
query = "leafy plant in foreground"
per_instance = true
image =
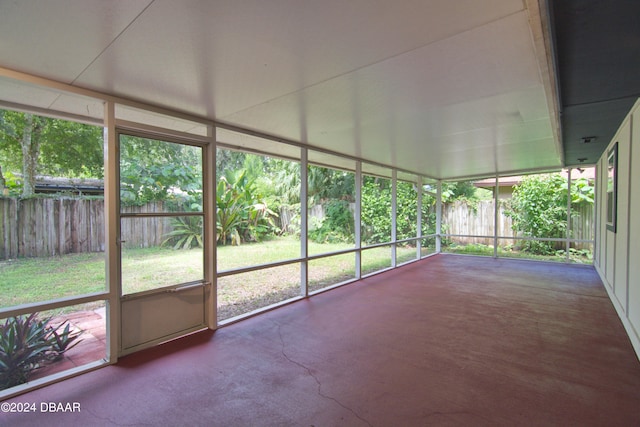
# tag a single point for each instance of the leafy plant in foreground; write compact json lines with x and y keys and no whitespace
{"x":28,"y":343}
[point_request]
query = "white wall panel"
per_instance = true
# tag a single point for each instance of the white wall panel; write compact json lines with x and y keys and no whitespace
{"x":634,"y":225}
{"x":619,"y":260}
{"x":622,"y":224}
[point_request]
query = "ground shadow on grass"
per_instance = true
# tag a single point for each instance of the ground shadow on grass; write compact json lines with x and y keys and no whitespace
{"x":246,"y":305}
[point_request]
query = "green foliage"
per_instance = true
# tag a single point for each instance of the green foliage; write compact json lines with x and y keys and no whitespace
{"x":406,"y":210}
{"x":186,"y":233}
{"x":376,"y":210}
{"x":227,"y":160}
{"x":538,"y":208}
{"x":63,"y":341}
{"x":471,"y":248}
{"x":582,"y":192}
{"x":241,"y":213}
{"x":326,"y":183}
{"x":12,"y":184}
{"x":28,"y":343}
{"x":337,"y":226}
{"x":58,"y":147}
{"x":152,"y":170}
{"x":229,"y":207}
{"x":461,"y":190}
{"x":286,"y":177}
{"x":428,"y":214}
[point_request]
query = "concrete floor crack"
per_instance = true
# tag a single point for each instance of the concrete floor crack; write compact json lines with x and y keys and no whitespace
{"x":312,"y":375}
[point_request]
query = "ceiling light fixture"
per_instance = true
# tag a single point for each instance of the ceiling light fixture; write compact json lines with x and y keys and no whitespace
{"x":588,"y":139}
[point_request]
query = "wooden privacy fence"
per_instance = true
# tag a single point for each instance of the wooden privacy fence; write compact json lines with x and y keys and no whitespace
{"x":478,"y":220}
{"x":47,"y":227}
{"x":59,"y":226}
{"x":144,"y":232}
{"x":475,"y":220}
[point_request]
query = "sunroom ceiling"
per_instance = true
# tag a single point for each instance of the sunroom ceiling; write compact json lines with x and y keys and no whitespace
{"x":442,"y":88}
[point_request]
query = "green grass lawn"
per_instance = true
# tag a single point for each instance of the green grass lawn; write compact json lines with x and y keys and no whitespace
{"x":42,"y":279}
{"x":579,"y":257}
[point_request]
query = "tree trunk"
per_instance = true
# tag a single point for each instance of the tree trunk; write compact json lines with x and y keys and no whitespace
{"x":3,"y":182}
{"x":30,"y":153}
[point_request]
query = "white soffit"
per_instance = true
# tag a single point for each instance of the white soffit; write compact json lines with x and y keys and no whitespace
{"x":442,"y":88}
{"x":42,"y":100}
{"x":257,"y":144}
{"x":327,"y":160}
{"x":157,"y":120}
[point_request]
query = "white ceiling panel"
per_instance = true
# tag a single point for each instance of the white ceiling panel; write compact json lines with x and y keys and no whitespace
{"x":421,"y":101}
{"x":60,"y":39}
{"x":217,"y":58}
{"x":436,"y":87}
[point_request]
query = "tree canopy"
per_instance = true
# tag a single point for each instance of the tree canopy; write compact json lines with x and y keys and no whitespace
{"x":31,"y":145}
{"x":152,"y":170}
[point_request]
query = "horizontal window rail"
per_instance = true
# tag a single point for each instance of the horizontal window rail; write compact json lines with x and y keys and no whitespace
{"x":527,"y":238}
{"x":53,"y":304}
{"x":166,"y":289}
{"x":158,"y":214}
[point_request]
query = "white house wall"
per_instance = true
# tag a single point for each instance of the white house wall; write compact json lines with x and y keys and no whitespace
{"x":618,"y":257}
{"x":634,"y":227}
{"x":621,"y":238}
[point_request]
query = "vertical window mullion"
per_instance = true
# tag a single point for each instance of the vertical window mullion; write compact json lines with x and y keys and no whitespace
{"x":439,"y":217}
{"x":419,"y":218}
{"x":394,"y":215}
{"x":496,"y":216}
{"x":112,"y":231}
{"x":568,"y":230}
{"x":358,"y":219}
{"x":304,"y":216}
{"x":209,"y":228}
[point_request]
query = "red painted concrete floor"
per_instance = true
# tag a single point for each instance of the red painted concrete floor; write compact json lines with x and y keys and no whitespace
{"x":447,"y":341}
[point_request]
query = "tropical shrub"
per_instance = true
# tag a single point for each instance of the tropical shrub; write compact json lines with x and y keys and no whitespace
{"x":406,"y":210}
{"x":376,"y":210}
{"x":241,"y":213}
{"x":337,"y":225}
{"x":186,"y":233}
{"x":28,"y":343}
{"x":538,"y":208}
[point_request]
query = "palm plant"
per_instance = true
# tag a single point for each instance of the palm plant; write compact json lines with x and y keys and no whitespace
{"x":229,"y":210}
{"x":240,"y":214}
{"x":186,"y":232}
